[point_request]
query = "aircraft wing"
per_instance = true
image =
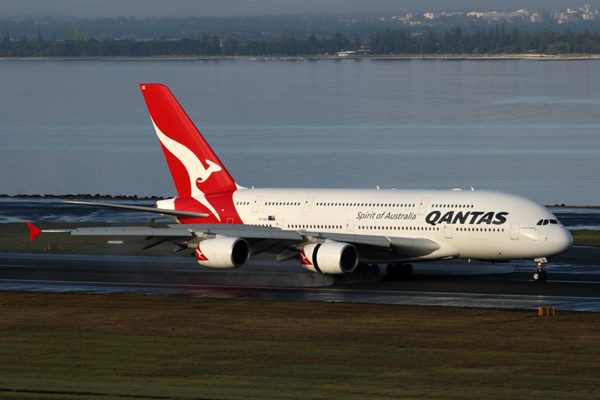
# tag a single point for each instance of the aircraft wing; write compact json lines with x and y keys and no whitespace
{"x":407,"y":247}
{"x":163,"y":211}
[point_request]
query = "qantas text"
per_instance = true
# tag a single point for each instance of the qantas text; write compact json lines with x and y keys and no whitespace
{"x":469,"y":217}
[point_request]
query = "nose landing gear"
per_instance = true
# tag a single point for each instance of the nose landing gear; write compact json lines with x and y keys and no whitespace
{"x":539,"y":274}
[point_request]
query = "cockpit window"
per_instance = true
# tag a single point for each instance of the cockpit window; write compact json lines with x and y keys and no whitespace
{"x":540,"y":222}
{"x":545,"y":222}
{"x":553,"y":221}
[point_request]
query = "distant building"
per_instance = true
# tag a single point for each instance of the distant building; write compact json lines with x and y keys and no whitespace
{"x":567,"y":16}
{"x":536,"y":18}
{"x":587,"y":9}
{"x":553,"y":14}
{"x":499,"y":16}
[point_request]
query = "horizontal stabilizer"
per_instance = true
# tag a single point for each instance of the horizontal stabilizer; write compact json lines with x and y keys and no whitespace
{"x":33,"y":231}
{"x":144,"y":209}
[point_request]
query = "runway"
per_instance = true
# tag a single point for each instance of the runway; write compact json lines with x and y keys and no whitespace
{"x":574,"y":282}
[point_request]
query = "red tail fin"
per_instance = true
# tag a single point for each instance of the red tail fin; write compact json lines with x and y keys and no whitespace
{"x":195,"y":168}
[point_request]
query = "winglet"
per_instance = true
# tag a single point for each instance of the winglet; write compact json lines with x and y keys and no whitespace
{"x":34,"y":231}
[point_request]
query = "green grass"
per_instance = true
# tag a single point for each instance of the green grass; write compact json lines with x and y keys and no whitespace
{"x":96,"y":346}
{"x":586,"y":237}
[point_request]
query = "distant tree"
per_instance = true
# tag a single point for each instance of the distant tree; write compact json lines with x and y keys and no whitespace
{"x":313,"y":44}
{"x":24,"y":36}
{"x":39,"y":36}
{"x":340,"y":42}
{"x":230,"y":46}
{"x":515,"y":39}
{"x":162,"y":38}
{"x":356,"y":44}
{"x":215,"y":46}
{"x":6,"y":37}
{"x":74,"y":33}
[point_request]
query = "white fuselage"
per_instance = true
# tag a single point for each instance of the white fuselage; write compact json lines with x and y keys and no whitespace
{"x":482,"y":225}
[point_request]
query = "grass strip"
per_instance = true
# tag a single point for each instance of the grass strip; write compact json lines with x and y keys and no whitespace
{"x":586,"y":237}
{"x":111,"y":346}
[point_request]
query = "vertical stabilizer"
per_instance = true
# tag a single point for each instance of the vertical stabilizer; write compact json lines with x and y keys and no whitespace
{"x":195,"y":168}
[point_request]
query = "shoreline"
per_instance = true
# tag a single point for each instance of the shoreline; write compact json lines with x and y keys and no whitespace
{"x":446,"y":57}
{"x":146,"y":198}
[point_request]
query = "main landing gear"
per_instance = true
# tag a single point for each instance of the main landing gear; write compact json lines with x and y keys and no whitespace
{"x":539,"y":274}
{"x":398,"y":270}
{"x":367,"y":270}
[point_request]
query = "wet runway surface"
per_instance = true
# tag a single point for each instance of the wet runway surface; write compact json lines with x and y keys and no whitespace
{"x":574,"y":282}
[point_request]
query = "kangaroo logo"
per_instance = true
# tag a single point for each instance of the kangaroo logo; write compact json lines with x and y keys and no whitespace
{"x":199,"y":255}
{"x":304,"y":259}
{"x":212,"y":167}
{"x":197,"y":174}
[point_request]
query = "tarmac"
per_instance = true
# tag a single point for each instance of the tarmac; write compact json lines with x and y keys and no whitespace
{"x":573,"y":284}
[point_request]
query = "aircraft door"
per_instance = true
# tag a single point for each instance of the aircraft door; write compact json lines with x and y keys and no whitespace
{"x":350,"y":226}
{"x":308,"y":204}
{"x":448,"y":231}
{"x":514,"y":230}
{"x":256,"y":204}
{"x":423,"y":206}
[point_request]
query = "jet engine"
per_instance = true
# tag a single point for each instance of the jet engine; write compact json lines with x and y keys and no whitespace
{"x":329,"y":258}
{"x":225,"y":252}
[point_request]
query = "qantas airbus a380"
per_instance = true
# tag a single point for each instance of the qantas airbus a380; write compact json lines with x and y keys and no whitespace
{"x":330,"y":231}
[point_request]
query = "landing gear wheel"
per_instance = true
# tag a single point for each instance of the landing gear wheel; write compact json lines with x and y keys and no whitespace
{"x":407,"y":269}
{"x":540,"y":274}
{"x":362,"y":269}
{"x":374,"y":269}
{"x":391,"y":270}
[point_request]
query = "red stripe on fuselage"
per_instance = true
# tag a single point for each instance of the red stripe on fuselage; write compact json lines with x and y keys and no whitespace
{"x":221,"y":202}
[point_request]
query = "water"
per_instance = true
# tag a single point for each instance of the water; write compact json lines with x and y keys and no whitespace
{"x":519,"y":126}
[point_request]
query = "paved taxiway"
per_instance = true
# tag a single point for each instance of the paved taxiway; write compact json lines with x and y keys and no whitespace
{"x":574,"y":282}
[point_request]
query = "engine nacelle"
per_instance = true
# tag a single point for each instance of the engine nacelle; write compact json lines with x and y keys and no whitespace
{"x":226,"y":252}
{"x":329,"y":258}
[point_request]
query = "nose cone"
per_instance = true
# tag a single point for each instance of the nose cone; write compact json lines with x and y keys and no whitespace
{"x":561,"y":241}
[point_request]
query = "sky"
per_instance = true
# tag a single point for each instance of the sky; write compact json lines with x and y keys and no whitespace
{"x":182,"y":8}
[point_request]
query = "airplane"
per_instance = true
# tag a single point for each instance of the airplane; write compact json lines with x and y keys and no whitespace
{"x":330,"y":231}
